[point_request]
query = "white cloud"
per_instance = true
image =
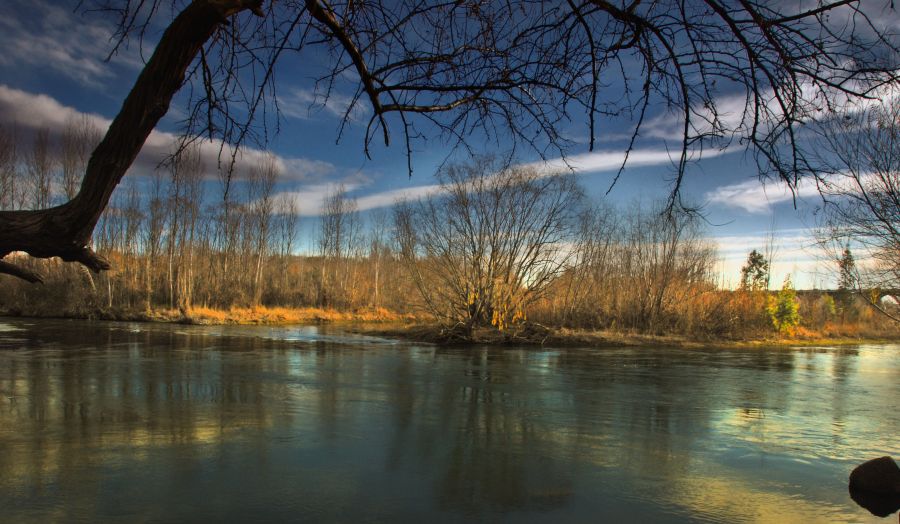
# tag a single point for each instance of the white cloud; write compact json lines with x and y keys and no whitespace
{"x":757,"y":197}
{"x":734,"y":112}
{"x":303,"y":103}
{"x":388,"y":198}
{"x":304,"y":168}
{"x":31,"y":112}
{"x":54,"y":37}
{"x":309,"y":199}
{"x":795,"y":254}
{"x":36,"y":111}
{"x":600,"y":161}
{"x":670,"y":125}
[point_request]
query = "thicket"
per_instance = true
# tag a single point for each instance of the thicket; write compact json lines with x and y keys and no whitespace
{"x":498,"y":246}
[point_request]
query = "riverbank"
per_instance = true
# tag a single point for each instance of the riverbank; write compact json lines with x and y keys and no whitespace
{"x":382,"y":322}
{"x":563,"y":337}
{"x":258,"y":315}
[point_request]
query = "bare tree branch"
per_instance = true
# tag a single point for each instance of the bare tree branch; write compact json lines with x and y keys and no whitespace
{"x":515,"y":72}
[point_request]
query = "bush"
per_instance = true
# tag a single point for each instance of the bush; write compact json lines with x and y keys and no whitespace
{"x":784,"y":309}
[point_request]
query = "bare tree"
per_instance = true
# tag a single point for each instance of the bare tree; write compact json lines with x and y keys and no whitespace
{"x":489,"y":242}
{"x":80,"y":136}
{"x":286,"y":219}
{"x":183,"y":206}
{"x":770,"y":251}
{"x":153,"y":235}
{"x":861,"y":193}
{"x":521,"y":69}
{"x":40,"y":164}
{"x":227,"y":229}
{"x":655,"y":252}
{"x":592,"y":266}
{"x":261,"y":183}
{"x":8,"y":168}
{"x":378,"y":250}
{"x":338,"y":241}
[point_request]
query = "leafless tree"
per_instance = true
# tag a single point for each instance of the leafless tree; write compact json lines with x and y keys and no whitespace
{"x":378,"y":249}
{"x":861,"y":192}
{"x":8,"y":168}
{"x":338,"y":241}
{"x":593,"y":259}
{"x":261,"y":184}
{"x":750,"y":71}
{"x":40,"y":165}
{"x":153,"y":235}
{"x":283,"y":244}
{"x":490,"y":241}
{"x":633,"y":268}
{"x":80,"y":136}
{"x":770,"y":251}
{"x":183,"y":210}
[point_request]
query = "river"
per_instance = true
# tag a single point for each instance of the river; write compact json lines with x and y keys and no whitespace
{"x":131,"y":422}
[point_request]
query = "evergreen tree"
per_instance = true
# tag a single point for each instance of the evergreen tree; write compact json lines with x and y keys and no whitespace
{"x":847,"y":266}
{"x":755,"y":273}
{"x":784,"y":309}
{"x":847,"y":282}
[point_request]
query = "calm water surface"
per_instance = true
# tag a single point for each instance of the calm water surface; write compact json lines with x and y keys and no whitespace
{"x":156,"y":423}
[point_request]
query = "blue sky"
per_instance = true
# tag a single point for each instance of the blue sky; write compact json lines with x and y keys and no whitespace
{"x":53,"y":66}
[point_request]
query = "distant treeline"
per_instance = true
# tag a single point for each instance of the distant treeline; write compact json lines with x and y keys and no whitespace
{"x":500,"y":246}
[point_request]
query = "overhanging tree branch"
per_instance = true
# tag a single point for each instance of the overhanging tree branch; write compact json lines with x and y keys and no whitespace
{"x":65,"y":231}
{"x":519,"y":71}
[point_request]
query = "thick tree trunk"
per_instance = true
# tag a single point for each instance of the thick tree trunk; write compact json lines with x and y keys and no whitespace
{"x":65,"y":231}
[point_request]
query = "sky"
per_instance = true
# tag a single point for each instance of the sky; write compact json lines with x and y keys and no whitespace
{"x":54,"y":67}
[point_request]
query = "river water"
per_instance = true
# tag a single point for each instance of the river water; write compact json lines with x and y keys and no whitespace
{"x":128,"y":422}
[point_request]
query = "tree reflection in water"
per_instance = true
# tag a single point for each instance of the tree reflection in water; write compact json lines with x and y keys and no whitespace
{"x":178,"y":423}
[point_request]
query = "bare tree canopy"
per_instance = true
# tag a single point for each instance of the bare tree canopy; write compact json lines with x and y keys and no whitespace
{"x":745,"y":72}
{"x":489,"y":242}
{"x":860,"y":184}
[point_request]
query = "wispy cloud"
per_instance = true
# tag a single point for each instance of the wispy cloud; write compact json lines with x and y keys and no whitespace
{"x":389,"y":198}
{"x":670,"y":125}
{"x":309,"y":199}
{"x":30,"y":112}
{"x":734,"y":112}
{"x":757,"y":197}
{"x":38,"y":111}
{"x":302,"y":103}
{"x":796,"y":254}
{"x":601,"y":161}
{"x":42,"y":35}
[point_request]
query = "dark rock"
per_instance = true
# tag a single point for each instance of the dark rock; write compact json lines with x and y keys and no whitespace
{"x":875,"y":485}
{"x":877,"y":504}
{"x":879,"y":475}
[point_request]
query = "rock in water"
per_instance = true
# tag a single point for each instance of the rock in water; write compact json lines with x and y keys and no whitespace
{"x":881,"y":476}
{"x":878,"y":505}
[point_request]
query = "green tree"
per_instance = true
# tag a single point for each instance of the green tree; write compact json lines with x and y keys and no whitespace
{"x":755,"y":273}
{"x":847,"y":282}
{"x":784,"y":309}
{"x":847,"y":265}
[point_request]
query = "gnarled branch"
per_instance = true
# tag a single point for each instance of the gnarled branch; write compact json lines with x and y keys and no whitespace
{"x":65,"y":231}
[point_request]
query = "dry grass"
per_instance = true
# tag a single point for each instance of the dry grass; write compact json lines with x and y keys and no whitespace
{"x":277,"y":315}
{"x":564,"y":337}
